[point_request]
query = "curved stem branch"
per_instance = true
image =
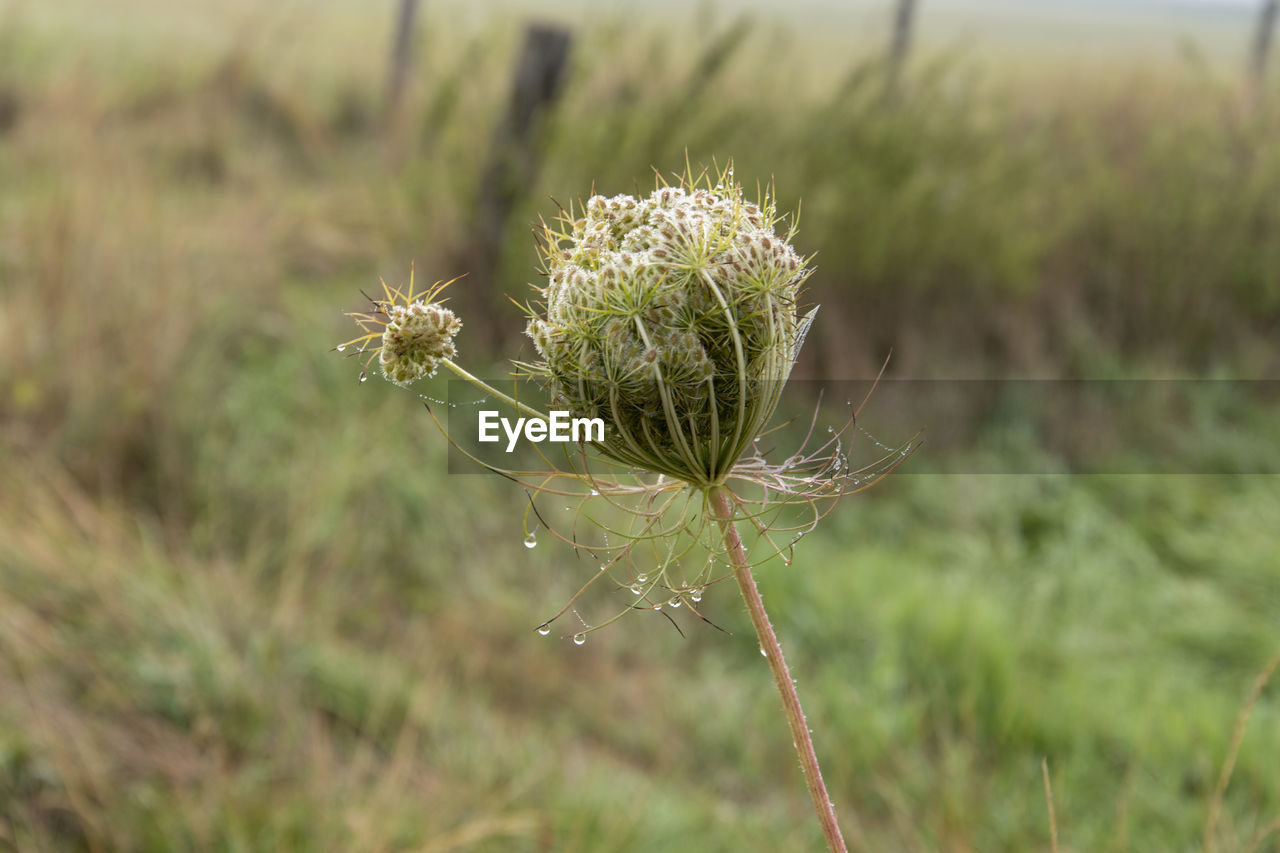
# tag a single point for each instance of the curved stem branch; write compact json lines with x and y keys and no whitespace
{"x":489,"y":389}
{"x":722,"y":506}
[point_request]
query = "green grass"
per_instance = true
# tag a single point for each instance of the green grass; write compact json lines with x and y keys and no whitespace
{"x":242,"y":606}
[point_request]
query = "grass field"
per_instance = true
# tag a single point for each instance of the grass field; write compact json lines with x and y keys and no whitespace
{"x":244,"y":607}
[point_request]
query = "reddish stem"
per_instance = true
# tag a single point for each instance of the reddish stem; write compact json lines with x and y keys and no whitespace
{"x":722,"y":506}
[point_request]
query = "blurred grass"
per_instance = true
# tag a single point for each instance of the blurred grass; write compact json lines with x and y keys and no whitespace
{"x":243,"y":607}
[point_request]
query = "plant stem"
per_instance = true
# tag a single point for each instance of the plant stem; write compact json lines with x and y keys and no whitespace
{"x":723,"y":508}
{"x":489,"y":389}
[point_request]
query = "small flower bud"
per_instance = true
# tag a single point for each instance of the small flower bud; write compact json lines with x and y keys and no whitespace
{"x":417,"y":336}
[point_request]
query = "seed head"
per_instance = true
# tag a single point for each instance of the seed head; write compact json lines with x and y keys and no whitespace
{"x":409,"y":333}
{"x":672,"y":317}
{"x":416,"y":337}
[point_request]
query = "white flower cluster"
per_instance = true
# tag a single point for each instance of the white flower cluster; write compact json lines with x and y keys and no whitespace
{"x":666,"y":304}
{"x":416,"y":337}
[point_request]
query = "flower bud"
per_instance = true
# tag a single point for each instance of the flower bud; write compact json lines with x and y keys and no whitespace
{"x":680,"y":311}
{"x":416,"y":337}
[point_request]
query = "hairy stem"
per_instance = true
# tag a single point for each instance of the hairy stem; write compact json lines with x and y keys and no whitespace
{"x":722,"y":506}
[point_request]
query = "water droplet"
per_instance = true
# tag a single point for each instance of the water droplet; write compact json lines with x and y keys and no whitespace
{"x":763,"y":653}
{"x":340,"y":347}
{"x":674,"y":602}
{"x":636,"y":588}
{"x":696,"y":595}
{"x":831,"y":429}
{"x":544,"y":630}
{"x":657,"y":606}
{"x":530,"y":541}
{"x":579,"y":639}
{"x":642,"y":578}
{"x":364,"y":378}
{"x":594,"y":492}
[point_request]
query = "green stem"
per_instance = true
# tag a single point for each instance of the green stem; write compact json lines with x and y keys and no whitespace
{"x":489,"y":389}
{"x":723,"y":509}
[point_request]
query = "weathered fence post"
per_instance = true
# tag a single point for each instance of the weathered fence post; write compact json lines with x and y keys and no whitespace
{"x":899,"y":48}
{"x":512,"y":165}
{"x":1257,"y":75}
{"x":401,"y":58}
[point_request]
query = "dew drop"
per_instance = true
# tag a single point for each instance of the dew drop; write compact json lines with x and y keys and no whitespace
{"x":340,"y":347}
{"x":696,"y":595}
{"x":831,"y":429}
{"x":763,"y":653}
{"x":364,"y":378}
{"x":636,"y":588}
{"x":544,"y":630}
{"x":674,"y":602}
{"x":579,"y":639}
{"x":530,"y":541}
{"x":594,"y":492}
{"x":642,"y":578}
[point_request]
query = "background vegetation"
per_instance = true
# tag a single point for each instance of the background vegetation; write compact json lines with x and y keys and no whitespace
{"x":242,"y":605}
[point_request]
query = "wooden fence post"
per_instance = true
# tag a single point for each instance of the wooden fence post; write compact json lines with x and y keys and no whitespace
{"x":900,"y":48}
{"x":512,"y":166}
{"x":401,"y":58}
{"x":1257,"y":76}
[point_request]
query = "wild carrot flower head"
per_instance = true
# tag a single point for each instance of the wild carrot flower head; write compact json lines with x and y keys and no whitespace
{"x":674,"y":319}
{"x":416,"y":337}
{"x":408,"y":333}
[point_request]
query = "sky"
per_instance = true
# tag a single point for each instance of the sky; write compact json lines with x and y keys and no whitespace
{"x":1048,"y":34}
{"x":1080,"y":32}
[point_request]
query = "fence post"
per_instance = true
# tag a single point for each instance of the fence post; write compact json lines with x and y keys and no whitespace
{"x":512,"y":165}
{"x":900,"y":48}
{"x":401,"y":58}
{"x":1257,"y":76}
